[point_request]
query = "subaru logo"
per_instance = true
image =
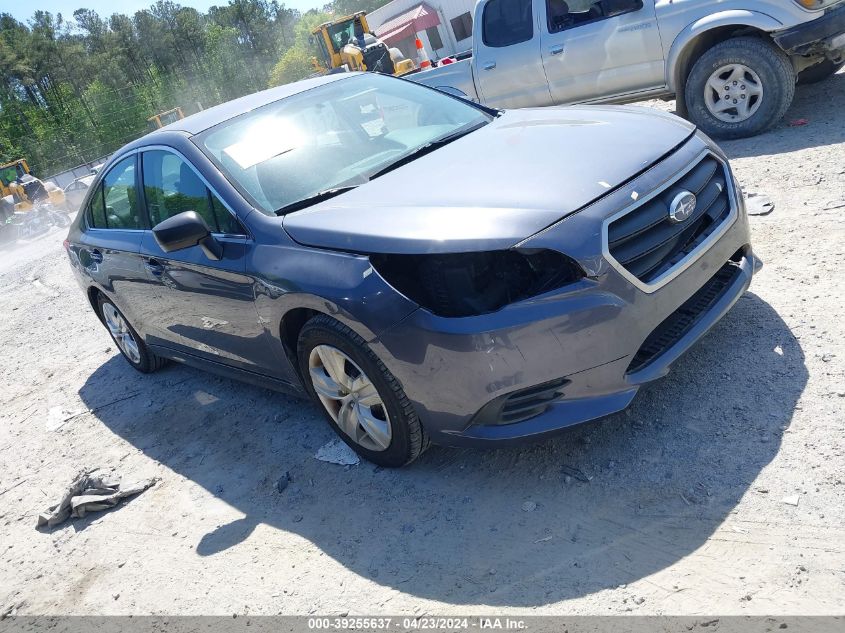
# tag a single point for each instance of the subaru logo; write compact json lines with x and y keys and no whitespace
{"x":682,"y":207}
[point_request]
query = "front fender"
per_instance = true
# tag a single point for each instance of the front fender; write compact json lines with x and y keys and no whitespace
{"x":686,"y":39}
{"x":341,"y":285}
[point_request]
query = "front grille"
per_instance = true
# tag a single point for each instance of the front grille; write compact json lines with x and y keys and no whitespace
{"x":684,"y":318}
{"x":647,"y":243}
{"x":521,"y":405}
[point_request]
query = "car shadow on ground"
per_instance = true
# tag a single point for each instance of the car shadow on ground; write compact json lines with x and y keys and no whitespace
{"x":602,"y":505}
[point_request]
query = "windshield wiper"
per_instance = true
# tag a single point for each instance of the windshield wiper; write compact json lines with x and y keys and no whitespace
{"x":314,"y":199}
{"x":428,"y":148}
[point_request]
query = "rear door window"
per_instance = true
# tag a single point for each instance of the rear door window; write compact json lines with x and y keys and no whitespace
{"x":115,"y":203}
{"x":172,"y":186}
{"x":507,"y":22}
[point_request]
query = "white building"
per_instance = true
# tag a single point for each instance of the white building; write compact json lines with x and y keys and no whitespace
{"x":443,"y":26}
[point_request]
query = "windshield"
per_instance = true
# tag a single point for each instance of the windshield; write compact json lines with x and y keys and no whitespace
{"x":341,"y":34}
{"x":10,"y":174}
{"x":333,"y":136}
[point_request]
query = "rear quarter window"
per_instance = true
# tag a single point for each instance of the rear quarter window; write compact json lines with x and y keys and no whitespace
{"x":97,"y":210}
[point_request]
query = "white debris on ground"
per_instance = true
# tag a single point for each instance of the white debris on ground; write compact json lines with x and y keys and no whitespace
{"x":57,"y":417}
{"x":758,"y":204}
{"x":337,"y":452}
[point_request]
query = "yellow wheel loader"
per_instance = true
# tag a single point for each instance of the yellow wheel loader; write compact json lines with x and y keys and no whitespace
{"x":20,"y":190}
{"x":346,"y":44}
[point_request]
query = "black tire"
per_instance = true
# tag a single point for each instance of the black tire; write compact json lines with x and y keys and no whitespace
{"x":819,"y":72}
{"x":147,"y":362}
{"x":409,"y":439}
{"x":776,"y":74}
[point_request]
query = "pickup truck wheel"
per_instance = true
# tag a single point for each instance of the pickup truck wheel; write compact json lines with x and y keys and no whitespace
{"x":819,"y":72}
{"x":739,"y":88}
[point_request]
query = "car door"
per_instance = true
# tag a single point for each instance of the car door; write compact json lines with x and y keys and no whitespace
{"x":597,"y":49}
{"x":205,"y":308}
{"x":509,"y":69}
{"x":110,"y":243}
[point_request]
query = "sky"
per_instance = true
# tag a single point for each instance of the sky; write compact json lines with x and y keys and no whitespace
{"x":23,"y":9}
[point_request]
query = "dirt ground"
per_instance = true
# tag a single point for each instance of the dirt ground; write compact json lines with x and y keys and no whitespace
{"x":722,"y":489}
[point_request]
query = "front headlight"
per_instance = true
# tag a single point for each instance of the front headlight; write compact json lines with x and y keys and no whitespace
{"x":815,"y":5}
{"x":469,"y":284}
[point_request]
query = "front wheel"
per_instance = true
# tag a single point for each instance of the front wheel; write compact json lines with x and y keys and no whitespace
{"x":362,"y":400}
{"x":739,"y":88}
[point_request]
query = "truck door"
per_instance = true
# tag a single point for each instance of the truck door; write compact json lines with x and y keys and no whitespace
{"x":509,"y":69}
{"x":594,"y":49}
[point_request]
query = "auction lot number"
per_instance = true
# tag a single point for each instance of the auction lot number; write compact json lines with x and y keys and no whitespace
{"x":418,"y":624}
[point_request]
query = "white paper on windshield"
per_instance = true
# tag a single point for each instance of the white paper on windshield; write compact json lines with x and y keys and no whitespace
{"x":264,"y":140}
{"x":251,"y":152}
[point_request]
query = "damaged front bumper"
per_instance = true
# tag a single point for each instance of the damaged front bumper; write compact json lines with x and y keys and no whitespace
{"x":578,"y":354}
{"x":823,"y":36}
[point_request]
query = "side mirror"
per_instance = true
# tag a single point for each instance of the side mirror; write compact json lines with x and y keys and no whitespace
{"x":185,"y":230}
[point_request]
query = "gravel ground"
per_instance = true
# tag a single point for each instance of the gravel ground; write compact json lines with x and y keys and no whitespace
{"x":722,"y":489}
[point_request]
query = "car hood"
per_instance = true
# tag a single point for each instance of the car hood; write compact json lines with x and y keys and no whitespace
{"x":496,"y":186}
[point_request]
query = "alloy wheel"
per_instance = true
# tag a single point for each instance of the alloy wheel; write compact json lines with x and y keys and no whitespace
{"x":733,"y":93}
{"x":350,"y":398}
{"x":121,"y":333}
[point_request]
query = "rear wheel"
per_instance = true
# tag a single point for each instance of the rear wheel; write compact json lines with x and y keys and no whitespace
{"x":127,"y":340}
{"x":819,"y":72}
{"x":362,"y":400}
{"x":739,"y":88}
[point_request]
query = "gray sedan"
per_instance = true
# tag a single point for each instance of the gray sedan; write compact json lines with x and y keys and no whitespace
{"x":424,"y":268}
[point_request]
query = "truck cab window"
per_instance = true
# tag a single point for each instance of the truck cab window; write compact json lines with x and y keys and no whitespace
{"x":507,"y":22}
{"x":566,"y":14}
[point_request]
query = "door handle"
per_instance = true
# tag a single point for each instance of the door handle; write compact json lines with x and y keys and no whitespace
{"x":489,"y":65}
{"x":154,"y":267}
{"x":96,"y":256}
{"x":556,"y":50}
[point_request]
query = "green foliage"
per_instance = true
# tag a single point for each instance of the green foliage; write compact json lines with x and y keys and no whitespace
{"x":295,"y":65}
{"x":297,"y":62}
{"x":347,"y":7}
{"x":73,"y":90}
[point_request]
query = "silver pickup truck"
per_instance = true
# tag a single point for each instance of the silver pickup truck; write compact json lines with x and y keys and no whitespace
{"x":731,"y":64}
